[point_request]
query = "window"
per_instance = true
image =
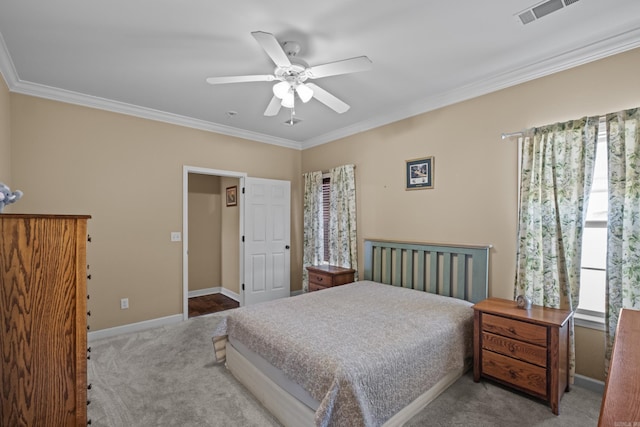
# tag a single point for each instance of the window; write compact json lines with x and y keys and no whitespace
{"x":594,"y":243}
{"x":326,"y":197}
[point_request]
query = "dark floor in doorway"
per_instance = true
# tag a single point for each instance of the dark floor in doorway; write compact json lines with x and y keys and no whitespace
{"x":208,"y":304}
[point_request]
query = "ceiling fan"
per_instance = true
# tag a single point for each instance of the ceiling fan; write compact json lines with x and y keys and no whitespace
{"x":291,"y":73}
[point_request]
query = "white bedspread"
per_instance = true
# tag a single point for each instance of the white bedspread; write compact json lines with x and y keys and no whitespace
{"x":364,"y":350}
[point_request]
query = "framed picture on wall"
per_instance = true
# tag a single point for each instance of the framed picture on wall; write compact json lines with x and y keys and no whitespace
{"x":232,"y":195}
{"x":419,"y":173}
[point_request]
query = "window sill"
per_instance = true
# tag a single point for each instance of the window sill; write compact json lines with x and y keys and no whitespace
{"x":587,"y":321}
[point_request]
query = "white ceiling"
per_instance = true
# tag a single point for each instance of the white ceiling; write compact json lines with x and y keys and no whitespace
{"x":150,"y":58}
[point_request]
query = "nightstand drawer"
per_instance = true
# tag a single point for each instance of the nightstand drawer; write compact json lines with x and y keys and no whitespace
{"x":315,"y":287}
{"x":515,"y":372}
{"x":326,"y":276}
{"x":320,"y":279}
{"x":529,"y":332}
{"x":513,"y":348}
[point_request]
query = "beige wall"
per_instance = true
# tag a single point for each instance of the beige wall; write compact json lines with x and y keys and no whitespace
{"x":475,"y":194}
{"x":231,"y":239}
{"x":205,"y":226}
{"x":126,"y":172}
{"x":590,"y":346}
{"x":5,"y":136}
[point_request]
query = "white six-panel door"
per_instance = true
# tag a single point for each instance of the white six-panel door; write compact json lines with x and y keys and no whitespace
{"x":267,"y":240}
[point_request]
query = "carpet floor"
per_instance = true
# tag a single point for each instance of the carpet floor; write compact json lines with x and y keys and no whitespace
{"x":167,"y":377}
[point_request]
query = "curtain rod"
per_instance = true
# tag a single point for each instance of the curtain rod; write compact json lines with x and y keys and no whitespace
{"x":510,"y":134}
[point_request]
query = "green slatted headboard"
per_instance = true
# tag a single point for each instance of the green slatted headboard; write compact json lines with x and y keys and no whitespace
{"x":459,"y":271}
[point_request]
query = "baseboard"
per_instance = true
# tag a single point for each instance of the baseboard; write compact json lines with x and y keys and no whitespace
{"x":134,"y":327}
{"x":298,"y":292}
{"x":227,"y":293}
{"x":215,"y":290}
{"x":588,"y":383}
{"x":205,"y":291}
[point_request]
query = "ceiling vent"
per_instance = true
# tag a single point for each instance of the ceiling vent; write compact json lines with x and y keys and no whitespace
{"x":542,"y":9}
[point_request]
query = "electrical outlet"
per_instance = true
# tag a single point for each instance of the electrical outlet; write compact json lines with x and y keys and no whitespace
{"x":124,"y":303}
{"x":176,"y":236}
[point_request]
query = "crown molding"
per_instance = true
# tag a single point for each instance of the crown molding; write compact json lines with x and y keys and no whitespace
{"x":41,"y":91}
{"x":622,"y":42}
{"x":47,"y":92}
{"x":7,"y":69}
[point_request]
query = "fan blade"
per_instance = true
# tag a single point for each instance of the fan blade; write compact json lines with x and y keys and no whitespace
{"x":327,"y":99}
{"x":353,"y":65}
{"x":274,"y":107}
{"x":240,"y":79}
{"x":272,"y":47}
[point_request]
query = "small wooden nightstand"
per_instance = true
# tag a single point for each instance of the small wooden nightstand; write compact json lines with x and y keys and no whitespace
{"x":524,"y":349}
{"x":326,"y":276}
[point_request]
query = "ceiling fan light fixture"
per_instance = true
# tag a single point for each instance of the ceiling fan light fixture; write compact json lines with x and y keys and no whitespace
{"x":304,"y":92}
{"x":281,"y":89}
{"x":287,"y":100}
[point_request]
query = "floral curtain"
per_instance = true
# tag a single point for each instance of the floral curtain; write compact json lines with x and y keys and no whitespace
{"x":342,"y":218}
{"x":556,"y":175}
{"x":313,"y":247}
{"x":623,"y":235}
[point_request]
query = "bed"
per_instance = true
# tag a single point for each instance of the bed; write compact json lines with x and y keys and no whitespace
{"x":369,"y":353}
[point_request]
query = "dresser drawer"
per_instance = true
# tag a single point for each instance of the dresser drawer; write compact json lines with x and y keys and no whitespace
{"x":513,"y":348}
{"x":529,"y":332}
{"x":515,"y":372}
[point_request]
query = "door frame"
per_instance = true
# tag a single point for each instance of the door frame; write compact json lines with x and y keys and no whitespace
{"x":186,"y":170}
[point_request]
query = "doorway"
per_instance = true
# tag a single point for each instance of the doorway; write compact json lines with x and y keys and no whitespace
{"x":211,"y":229}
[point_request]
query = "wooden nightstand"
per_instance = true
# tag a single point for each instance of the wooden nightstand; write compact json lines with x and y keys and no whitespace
{"x":326,"y":276}
{"x":524,"y":349}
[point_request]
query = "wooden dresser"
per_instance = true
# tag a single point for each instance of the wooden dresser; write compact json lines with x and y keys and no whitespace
{"x":621,"y":401}
{"x":326,"y":276}
{"x":43,"y":319}
{"x":524,"y":349}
